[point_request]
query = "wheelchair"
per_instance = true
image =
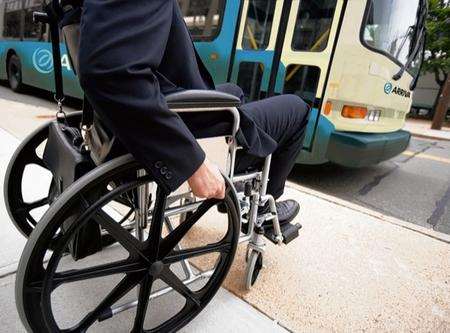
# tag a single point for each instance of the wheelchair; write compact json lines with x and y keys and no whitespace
{"x":152,"y":243}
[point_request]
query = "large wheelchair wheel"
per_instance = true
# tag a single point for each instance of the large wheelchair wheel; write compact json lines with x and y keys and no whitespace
{"x":20,"y":205}
{"x":56,"y":294}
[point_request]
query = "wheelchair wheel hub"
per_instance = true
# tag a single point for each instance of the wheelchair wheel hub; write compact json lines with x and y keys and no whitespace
{"x":156,"y":269}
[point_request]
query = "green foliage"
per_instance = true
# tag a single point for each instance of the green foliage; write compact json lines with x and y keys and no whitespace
{"x":437,"y":58}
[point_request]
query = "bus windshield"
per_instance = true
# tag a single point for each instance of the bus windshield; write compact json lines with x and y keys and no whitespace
{"x":390,"y":27}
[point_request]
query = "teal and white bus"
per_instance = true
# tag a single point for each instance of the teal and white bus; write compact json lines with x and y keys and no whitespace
{"x":354,"y":61}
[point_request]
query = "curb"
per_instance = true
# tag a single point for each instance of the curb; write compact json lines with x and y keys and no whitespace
{"x":385,"y":218}
{"x":431,"y":137}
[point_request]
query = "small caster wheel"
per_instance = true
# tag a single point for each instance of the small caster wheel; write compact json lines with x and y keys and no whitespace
{"x":254,"y":265}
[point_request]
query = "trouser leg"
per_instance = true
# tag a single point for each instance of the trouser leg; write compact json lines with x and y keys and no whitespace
{"x":284,"y":118}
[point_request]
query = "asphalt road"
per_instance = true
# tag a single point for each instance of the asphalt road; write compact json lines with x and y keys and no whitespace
{"x":413,"y":187}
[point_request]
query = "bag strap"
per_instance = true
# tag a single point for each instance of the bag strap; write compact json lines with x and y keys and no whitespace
{"x":53,"y":19}
{"x":54,"y":14}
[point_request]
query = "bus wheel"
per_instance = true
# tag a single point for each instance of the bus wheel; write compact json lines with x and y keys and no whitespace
{"x":15,"y":73}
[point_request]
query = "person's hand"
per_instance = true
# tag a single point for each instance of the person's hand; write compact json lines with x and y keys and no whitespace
{"x":207,"y":182}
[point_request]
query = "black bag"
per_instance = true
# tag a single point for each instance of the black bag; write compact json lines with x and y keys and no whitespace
{"x":66,"y":158}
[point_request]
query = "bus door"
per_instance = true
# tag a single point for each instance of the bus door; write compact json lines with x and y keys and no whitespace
{"x":255,"y":46}
{"x":306,"y":54}
{"x":212,"y":24}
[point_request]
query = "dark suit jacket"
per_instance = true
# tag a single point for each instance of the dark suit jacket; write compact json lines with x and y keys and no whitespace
{"x":132,"y":53}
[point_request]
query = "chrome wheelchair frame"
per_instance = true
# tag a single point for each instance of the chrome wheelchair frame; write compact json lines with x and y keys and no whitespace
{"x":250,"y":202}
{"x":255,"y":197}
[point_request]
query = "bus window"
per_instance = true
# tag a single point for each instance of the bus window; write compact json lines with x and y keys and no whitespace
{"x":203,"y":17}
{"x":12,"y":19}
{"x":302,"y":80}
{"x":258,"y":24}
{"x":313,"y":25}
{"x":249,"y":79}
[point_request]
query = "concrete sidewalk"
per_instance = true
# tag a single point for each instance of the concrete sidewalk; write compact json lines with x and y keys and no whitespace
{"x":422,"y":128}
{"x":352,"y":269}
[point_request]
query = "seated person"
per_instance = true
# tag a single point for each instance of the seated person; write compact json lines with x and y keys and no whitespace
{"x":132,"y":54}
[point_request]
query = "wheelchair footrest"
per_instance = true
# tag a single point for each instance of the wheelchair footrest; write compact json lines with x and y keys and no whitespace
{"x":288,"y":230}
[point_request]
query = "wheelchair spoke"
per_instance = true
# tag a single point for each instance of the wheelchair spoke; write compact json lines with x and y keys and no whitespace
{"x":130,"y":243}
{"x":173,"y":281}
{"x":36,"y":204}
{"x":30,"y":219}
{"x":168,"y":243}
{"x":127,"y":216}
{"x":35,"y":159}
{"x":124,"y":286}
{"x":27,"y":207}
{"x":124,"y":200}
{"x":154,"y":238}
{"x":176,"y":256}
{"x":124,"y":266}
{"x":143,"y":300}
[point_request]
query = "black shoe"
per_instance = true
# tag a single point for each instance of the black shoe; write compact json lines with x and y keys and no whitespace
{"x":287,"y":210}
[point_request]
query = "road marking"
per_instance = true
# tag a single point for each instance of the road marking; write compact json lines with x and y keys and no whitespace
{"x":427,"y":157}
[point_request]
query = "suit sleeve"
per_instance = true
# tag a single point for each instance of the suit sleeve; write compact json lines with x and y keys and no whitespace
{"x":122,"y":42}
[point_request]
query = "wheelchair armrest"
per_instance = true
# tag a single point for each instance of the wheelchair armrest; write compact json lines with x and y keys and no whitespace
{"x":202,"y":99}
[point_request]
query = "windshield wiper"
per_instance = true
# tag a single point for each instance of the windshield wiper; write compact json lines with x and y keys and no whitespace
{"x":419,"y":34}
{"x":411,"y":57}
{"x":410,"y":32}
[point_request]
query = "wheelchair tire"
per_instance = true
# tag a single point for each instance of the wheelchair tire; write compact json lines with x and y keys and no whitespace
{"x":147,"y":260}
{"x":25,"y":155}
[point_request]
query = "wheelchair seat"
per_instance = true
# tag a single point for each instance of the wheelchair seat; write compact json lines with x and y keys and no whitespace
{"x":188,"y":103}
